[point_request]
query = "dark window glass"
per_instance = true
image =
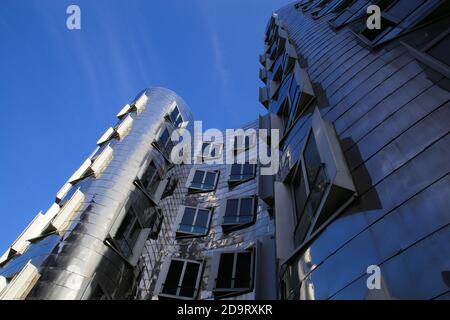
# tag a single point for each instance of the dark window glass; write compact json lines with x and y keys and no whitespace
{"x":210,"y":179}
{"x":174,"y":114}
{"x":243,"y":270}
{"x":441,"y":50}
{"x":188,"y":285}
{"x":128,"y":233}
{"x":148,"y":175}
{"x":312,"y":159}
{"x":98,"y":294}
{"x":202,"y":219}
{"x":225,"y":272}
{"x":248,"y":170}
{"x":188,"y":217}
{"x":173,"y":277}
{"x":232,"y":207}
{"x":246,"y":207}
{"x":198,"y":177}
{"x":236,"y":170}
{"x":164,"y":137}
{"x":300,"y":194}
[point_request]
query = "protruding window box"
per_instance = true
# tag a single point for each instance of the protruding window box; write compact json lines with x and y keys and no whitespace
{"x":82,"y":172}
{"x":150,"y":182}
{"x":239,"y":213}
{"x":108,"y":135}
{"x":22,"y":283}
{"x":264,"y":97}
{"x":67,"y":213}
{"x":164,"y":143}
{"x":124,"y":111}
{"x":200,"y":180}
{"x":140,"y":103}
{"x":124,"y":127}
{"x":180,"y":279}
{"x":262,"y":74}
{"x":128,"y":235}
{"x":322,"y":187}
{"x":233,"y":273}
{"x":175,"y":116}
{"x":33,"y":230}
{"x":101,"y":160}
{"x":240,"y":173}
{"x":193,"y":222}
{"x":262,"y":59}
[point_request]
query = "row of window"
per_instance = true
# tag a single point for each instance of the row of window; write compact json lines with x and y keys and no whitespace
{"x":232,"y":274}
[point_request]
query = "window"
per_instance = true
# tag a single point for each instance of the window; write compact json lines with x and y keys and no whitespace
{"x":176,"y":117}
{"x":194,"y":222}
{"x":241,"y":173}
{"x":182,"y":279}
{"x":235,"y":273}
{"x":150,"y":179}
{"x":165,"y":144}
{"x":322,"y":184}
{"x":204,"y":180}
{"x":239,"y":213}
{"x":128,"y":233}
{"x":170,"y":187}
{"x":156,"y":224}
{"x":354,"y":11}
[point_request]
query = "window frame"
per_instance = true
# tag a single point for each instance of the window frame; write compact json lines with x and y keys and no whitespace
{"x":176,"y":123}
{"x":181,"y":278}
{"x":230,"y":292}
{"x":202,"y":189}
{"x":231,"y":226}
{"x":235,"y":182}
{"x":185,"y":234}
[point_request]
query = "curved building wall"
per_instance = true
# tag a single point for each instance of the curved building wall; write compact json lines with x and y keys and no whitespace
{"x":80,"y":260}
{"x":391,"y":113}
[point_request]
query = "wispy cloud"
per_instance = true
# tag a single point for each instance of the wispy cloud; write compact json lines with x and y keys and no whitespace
{"x":219,"y":61}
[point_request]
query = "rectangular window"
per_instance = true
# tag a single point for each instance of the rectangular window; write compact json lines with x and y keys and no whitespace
{"x":309,"y":188}
{"x":165,"y":144}
{"x":128,"y":233}
{"x":150,"y":179}
{"x":182,"y":279}
{"x":176,"y":117}
{"x":239,"y":213}
{"x":195,"y":222}
{"x":204,"y":180}
{"x":241,"y":173}
{"x":235,"y":273}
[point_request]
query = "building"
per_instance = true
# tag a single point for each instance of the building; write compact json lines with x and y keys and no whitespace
{"x":363,"y":183}
{"x":130,"y":224}
{"x":364,"y":118}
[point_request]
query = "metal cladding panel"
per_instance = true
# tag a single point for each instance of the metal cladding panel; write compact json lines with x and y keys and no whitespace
{"x":392,"y":117}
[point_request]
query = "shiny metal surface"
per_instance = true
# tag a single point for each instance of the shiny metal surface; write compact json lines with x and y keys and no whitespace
{"x":392,"y":117}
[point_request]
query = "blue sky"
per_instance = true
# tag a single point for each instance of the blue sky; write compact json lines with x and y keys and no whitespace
{"x":60,"y":89}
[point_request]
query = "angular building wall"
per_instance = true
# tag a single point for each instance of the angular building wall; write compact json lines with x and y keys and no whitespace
{"x":364,"y":178}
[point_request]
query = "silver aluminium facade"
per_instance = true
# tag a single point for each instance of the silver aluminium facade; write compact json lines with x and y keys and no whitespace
{"x":364,"y":116}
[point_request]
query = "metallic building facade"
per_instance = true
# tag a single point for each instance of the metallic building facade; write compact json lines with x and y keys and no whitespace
{"x":365,"y":119}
